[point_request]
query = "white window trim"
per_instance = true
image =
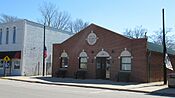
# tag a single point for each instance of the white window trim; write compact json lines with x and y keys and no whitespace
{"x":125,"y":53}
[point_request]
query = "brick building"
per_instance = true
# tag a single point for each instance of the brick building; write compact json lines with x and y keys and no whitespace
{"x":96,"y":52}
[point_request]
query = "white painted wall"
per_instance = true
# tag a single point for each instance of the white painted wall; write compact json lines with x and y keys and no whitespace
{"x":19,"y":36}
{"x":33,"y":46}
{"x":18,"y":46}
{"x":30,"y":42}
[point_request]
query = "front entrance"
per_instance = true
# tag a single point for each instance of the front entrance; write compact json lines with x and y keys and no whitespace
{"x":102,"y":68}
{"x":7,"y":68}
{"x":103,"y":65}
{"x":10,"y":63}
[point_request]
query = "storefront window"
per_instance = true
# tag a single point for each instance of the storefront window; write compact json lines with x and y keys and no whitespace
{"x":16,"y":64}
{"x":1,"y":63}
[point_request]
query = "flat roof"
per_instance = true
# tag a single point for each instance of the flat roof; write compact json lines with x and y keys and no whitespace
{"x":159,"y":48}
{"x":38,"y":25}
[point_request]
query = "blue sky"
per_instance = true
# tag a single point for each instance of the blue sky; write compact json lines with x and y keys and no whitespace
{"x":116,"y":15}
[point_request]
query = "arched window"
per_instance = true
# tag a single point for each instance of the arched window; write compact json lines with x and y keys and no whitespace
{"x":83,"y":58}
{"x":7,"y":35}
{"x":14,"y":34}
{"x":0,"y":36}
{"x":125,"y":60}
{"x":64,"y":59}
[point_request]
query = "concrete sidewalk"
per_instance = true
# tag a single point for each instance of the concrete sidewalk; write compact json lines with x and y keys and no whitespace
{"x":156,"y":88}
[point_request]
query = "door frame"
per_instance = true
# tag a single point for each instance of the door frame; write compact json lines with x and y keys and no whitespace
{"x":102,"y":55}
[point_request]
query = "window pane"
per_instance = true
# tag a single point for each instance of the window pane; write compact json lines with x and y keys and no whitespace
{"x":1,"y":63}
{"x":126,"y":66}
{"x":126,"y":59}
{"x":98,"y":65}
{"x":83,"y":62}
{"x":0,"y":36}
{"x":7,"y":35}
{"x":14,"y":34}
{"x":84,"y":59}
{"x":16,"y":64}
{"x":83,"y":65}
{"x":64,"y":62}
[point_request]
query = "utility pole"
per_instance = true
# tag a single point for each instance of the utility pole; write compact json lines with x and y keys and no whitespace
{"x":44,"y":51}
{"x":164,"y":50}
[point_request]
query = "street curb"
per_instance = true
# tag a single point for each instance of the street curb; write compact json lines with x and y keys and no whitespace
{"x":75,"y":85}
{"x":84,"y":86}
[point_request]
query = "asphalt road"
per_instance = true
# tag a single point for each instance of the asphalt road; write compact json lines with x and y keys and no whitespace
{"x":17,"y":89}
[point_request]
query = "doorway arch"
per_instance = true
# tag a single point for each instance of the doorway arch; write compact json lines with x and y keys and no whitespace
{"x":103,"y":65}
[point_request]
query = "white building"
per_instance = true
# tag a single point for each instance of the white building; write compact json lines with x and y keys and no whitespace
{"x":22,"y":42}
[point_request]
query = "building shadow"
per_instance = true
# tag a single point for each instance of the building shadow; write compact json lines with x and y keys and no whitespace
{"x":85,"y":81}
{"x":167,"y":92}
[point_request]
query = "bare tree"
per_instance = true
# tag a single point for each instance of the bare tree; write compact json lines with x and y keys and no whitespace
{"x":61,"y":20}
{"x":157,"y":38}
{"x":6,"y":18}
{"x":53,"y":17}
{"x":48,"y":12}
{"x":137,"y":32}
{"x":77,"y":25}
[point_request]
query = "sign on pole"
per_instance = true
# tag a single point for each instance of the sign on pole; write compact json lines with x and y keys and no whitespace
{"x":6,"y":59}
{"x":6,"y":65}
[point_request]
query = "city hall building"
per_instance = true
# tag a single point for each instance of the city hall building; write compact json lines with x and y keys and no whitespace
{"x":98,"y":53}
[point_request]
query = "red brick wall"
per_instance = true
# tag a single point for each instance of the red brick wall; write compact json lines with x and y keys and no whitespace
{"x":109,"y":41}
{"x":55,"y":59}
{"x":156,"y":66}
{"x":139,"y":68}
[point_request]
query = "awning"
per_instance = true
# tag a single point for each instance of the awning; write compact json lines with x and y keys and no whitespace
{"x":11,"y":54}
